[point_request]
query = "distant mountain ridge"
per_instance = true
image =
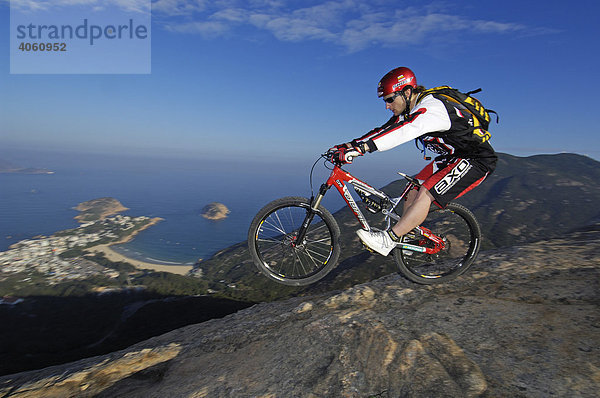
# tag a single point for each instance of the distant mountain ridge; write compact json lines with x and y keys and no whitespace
{"x":536,"y":197}
{"x":7,"y":167}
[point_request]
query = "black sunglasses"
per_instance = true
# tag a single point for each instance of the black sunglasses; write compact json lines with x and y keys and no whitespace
{"x":393,"y":97}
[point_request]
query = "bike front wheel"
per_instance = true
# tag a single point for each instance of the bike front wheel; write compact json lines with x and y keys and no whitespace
{"x":276,"y":251}
{"x":461,"y":233}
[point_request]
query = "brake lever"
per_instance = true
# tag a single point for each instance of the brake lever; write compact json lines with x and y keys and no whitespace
{"x":410,"y":179}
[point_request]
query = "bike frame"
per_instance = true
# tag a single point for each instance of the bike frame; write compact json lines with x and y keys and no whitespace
{"x":339,"y":179}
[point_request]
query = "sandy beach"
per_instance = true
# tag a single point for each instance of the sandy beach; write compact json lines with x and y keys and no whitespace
{"x":114,"y":256}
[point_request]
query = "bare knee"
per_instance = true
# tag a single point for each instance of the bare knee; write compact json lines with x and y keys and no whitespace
{"x":428,"y":194}
{"x":423,"y":195}
{"x":411,"y":196}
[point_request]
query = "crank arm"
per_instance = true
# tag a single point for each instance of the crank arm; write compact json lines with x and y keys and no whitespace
{"x":412,"y":247}
{"x":420,"y":249}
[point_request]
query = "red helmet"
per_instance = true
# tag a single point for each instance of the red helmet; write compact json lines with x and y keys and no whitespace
{"x":396,"y":80}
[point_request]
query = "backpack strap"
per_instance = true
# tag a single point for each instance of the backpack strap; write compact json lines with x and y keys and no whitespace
{"x":431,"y":91}
{"x":495,"y":113}
{"x":486,"y":109}
{"x":473,"y":91}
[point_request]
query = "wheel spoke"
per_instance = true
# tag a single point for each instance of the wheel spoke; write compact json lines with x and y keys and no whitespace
{"x":325,"y":241}
{"x":299,"y":260}
{"x":311,"y":258}
{"x":277,"y":228}
{"x":270,"y":240}
{"x":323,"y":254}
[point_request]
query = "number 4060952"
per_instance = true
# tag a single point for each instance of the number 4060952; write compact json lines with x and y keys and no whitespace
{"x":43,"y":46}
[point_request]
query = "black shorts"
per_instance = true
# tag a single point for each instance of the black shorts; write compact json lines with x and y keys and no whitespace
{"x":448,"y":181}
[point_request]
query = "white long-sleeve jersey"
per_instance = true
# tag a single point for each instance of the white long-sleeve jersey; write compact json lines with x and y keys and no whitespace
{"x":440,"y":125}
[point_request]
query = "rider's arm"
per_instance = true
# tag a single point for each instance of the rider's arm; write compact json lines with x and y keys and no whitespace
{"x":366,"y":138}
{"x":428,"y":116}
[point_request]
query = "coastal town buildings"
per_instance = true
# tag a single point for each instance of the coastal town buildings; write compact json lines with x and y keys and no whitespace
{"x":47,"y":255}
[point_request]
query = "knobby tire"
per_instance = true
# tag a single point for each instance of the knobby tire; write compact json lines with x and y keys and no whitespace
{"x":459,"y":227}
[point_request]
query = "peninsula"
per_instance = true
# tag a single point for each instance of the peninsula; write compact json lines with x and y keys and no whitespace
{"x":98,"y":209}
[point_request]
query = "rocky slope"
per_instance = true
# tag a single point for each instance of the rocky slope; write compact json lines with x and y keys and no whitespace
{"x":525,"y":322}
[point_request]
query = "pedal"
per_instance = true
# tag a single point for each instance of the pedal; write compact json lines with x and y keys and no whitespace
{"x":367,"y":247}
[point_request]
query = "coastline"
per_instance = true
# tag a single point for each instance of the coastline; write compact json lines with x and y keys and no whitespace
{"x":115,"y":256}
{"x":129,"y":238}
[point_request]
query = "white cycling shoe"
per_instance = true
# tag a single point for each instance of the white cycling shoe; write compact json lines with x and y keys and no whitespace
{"x":378,"y":241}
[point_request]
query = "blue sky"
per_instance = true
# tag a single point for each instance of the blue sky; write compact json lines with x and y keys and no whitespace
{"x":263,"y":78}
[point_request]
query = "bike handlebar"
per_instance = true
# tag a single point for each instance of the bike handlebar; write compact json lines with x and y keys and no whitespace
{"x":329,"y":156}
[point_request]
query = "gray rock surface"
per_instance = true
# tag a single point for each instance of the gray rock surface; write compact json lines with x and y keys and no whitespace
{"x":525,"y":322}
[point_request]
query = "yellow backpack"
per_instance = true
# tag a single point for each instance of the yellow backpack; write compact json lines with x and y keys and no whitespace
{"x":481,"y":119}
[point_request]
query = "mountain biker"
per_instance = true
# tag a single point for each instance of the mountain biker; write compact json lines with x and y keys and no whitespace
{"x":442,"y":127}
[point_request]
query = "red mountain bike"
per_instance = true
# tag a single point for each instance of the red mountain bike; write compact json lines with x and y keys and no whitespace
{"x":295,"y":241}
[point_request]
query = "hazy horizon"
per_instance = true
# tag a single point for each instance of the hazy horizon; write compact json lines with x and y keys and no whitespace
{"x":406,"y":157}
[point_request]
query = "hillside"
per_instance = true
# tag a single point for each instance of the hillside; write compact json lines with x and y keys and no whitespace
{"x":536,"y":197}
{"x":525,"y":323}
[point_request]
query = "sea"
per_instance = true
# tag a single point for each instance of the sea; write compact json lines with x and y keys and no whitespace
{"x":173,"y":189}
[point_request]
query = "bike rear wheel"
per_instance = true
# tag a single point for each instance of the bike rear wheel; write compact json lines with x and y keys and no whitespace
{"x":273,"y":244}
{"x":462,"y":235}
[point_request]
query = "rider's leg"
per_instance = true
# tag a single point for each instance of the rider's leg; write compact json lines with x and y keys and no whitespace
{"x":459,"y":177}
{"x":414,"y":213}
{"x":410,"y":198}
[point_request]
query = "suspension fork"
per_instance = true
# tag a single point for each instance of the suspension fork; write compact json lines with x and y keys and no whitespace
{"x":315,"y":202}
